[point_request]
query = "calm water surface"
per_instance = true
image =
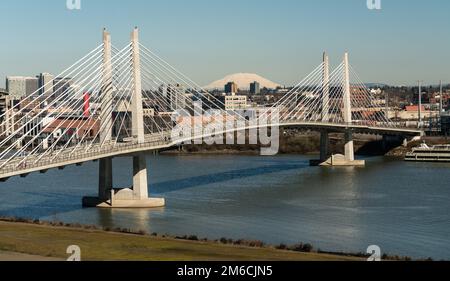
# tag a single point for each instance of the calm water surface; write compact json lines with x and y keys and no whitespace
{"x":402,"y":207}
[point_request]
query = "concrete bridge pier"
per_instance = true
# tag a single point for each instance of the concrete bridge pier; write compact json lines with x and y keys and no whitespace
{"x":348,"y":159}
{"x":134,"y":197}
{"x":324,"y":146}
{"x":324,"y":149}
{"x":140,"y":184}
{"x":105,"y":180}
{"x":349,"y":146}
{"x":137,"y":195}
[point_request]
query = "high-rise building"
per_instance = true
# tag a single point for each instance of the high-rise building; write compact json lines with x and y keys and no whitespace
{"x":61,"y":86}
{"x":21,"y":86}
{"x":4,"y":98}
{"x":32,"y":86}
{"x":6,"y":117}
{"x":231,"y":87}
{"x":46,"y":84}
{"x":16,"y":86}
{"x":177,"y":97}
{"x":255,"y":88}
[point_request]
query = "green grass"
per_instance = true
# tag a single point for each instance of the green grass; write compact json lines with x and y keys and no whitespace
{"x":50,"y":241}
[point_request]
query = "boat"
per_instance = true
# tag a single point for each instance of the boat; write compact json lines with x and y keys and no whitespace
{"x":425,"y":153}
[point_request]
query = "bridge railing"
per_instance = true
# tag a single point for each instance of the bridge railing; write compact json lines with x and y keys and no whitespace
{"x":94,"y":153}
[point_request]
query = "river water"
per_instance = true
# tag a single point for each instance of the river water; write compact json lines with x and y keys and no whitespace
{"x":402,"y":207}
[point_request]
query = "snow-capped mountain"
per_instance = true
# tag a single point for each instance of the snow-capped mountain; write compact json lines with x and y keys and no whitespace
{"x":243,"y":81}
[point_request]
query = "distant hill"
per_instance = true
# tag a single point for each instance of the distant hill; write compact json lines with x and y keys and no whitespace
{"x":375,"y":85}
{"x":243,"y":81}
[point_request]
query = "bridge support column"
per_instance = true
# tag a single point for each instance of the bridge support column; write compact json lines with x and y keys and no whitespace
{"x":106,"y":121}
{"x":349,"y":155}
{"x":324,"y":146}
{"x":324,"y":149}
{"x":105,"y":186}
{"x":105,"y":181}
{"x":348,"y":159}
{"x":349,"y":146}
{"x":137,"y":196}
{"x":140,"y":184}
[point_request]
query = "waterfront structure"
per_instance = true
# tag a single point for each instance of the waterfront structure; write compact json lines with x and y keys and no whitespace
{"x":78,"y":138}
{"x":425,"y":153}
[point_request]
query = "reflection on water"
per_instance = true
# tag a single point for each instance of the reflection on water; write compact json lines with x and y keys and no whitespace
{"x":402,"y":207}
{"x":112,"y":218}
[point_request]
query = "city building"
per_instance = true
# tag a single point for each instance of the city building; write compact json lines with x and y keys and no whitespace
{"x":255,"y":88}
{"x":231,"y":88}
{"x":235,"y":102}
{"x":46,"y":84}
{"x":65,"y":127}
{"x":61,"y":86}
{"x":4,"y":102}
{"x":411,"y":112}
{"x":32,"y":86}
{"x":6,"y":113}
{"x":445,"y":124}
{"x":19,"y":87}
{"x":177,"y":97}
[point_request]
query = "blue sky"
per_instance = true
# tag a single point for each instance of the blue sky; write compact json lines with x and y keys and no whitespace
{"x":282,"y":40}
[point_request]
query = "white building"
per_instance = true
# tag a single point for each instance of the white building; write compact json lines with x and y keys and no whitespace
{"x":16,"y":87}
{"x":177,"y":96}
{"x":46,"y":84}
{"x":235,"y":102}
{"x":21,"y":86}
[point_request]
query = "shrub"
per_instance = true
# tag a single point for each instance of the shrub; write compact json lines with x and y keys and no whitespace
{"x":193,"y":238}
{"x":305,"y":248}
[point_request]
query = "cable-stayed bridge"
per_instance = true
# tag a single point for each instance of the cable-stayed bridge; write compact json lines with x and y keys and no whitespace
{"x":127,"y":102}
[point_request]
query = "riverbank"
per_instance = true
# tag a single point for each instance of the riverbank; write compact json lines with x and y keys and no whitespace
{"x":36,"y":241}
{"x":290,"y":142}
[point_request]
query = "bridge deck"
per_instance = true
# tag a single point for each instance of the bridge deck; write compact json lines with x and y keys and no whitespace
{"x":22,"y":166}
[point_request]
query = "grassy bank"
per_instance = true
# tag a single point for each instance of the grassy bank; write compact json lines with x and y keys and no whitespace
{"x":52,"y":241}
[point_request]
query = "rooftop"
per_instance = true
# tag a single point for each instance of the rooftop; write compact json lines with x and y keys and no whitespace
{"x":19,"y":77}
